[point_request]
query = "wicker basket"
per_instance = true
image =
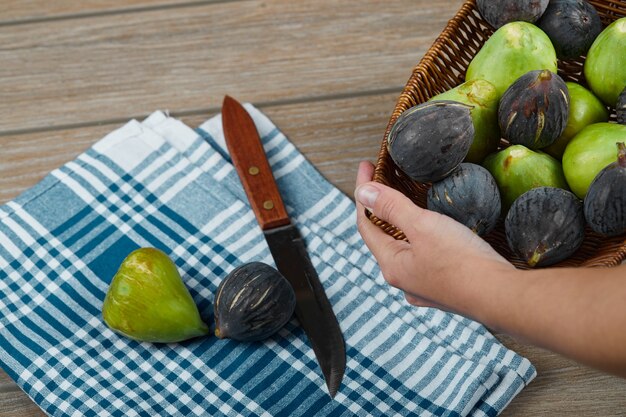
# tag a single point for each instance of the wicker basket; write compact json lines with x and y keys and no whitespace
{"x":443,"y":67}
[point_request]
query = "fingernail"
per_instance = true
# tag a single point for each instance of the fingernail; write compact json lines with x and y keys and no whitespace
{"x":366,"y":195}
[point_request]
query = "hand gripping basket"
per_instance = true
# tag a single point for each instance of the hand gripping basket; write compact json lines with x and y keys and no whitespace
{"x":443,"y":67}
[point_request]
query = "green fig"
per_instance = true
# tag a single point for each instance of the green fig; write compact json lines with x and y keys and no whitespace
{"x":605,"y":66}
{"x":512,"y":51}
{"x":148,"y":301}
{"x":483,"y":97}
{"x":589,"y":152}
{"x":518,"y":169}
{"x":584,"y":109}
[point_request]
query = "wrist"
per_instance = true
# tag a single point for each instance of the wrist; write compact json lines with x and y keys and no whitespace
{"x":483,"y":290}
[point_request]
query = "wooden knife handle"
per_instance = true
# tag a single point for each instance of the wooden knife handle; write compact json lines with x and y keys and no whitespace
{"x":250,"y":161}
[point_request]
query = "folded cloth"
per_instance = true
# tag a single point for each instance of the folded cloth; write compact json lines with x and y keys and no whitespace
{"x":160,"y":183}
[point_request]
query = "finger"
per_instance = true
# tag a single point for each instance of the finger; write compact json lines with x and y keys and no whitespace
{"x":365,"y":172}
{"x":369,"y":231}
{"x":389,"y":205}
{"x":380,"y":243}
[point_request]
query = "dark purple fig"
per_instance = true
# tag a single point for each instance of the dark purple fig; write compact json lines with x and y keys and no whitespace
{"x":469,"y":195}
{"x":571,"y":25}
{"x":545,"y":225}
{"x":253,"y":302}
{"x":533,"y":111}
{"x":431,"y":139}
{"x":500,"y":12}
{"x":621,"y":108}
{"x":605,"y":202}
{"x":483,"y":97}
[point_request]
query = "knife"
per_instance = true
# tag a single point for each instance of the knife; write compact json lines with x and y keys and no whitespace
{"x":313,"y":309}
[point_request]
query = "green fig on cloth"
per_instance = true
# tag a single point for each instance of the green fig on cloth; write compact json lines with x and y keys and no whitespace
{"x":147,"y":300}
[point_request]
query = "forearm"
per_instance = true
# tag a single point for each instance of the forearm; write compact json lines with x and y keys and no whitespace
{"x":580,"y":313}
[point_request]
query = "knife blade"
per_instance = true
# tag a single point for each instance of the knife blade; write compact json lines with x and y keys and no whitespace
{"x":313,"y":310}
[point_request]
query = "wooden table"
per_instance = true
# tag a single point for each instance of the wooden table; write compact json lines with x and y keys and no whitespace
{"x":328,"y":73}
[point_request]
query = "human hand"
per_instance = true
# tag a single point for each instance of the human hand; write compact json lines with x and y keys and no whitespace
{"x":430,"y":267}
{"x":445,"y":265}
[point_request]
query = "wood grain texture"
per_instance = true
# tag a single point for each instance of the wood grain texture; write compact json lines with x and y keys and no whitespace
{"x":19,"y":11}
{"x":14,"y":402}
{"x":565,"y":388}
{"x":327,"y":73}
{"x":350,"y":132}
{"x":114,"y":67}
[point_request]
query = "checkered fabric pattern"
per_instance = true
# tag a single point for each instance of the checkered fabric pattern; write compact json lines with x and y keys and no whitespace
{"x":160,"y":183}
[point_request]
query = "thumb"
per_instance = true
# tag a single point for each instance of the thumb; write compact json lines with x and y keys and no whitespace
{"x":389,"y":205}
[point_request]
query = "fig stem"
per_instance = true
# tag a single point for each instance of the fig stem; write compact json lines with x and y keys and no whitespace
{"x":621,"y":154}
{"x":534,"y":260}
{"x":545,"y":75}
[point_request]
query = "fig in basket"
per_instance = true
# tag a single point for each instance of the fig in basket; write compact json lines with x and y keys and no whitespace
{"x":252,"y":303}
{"x":589,"y":152}
{"x":620,"y":109}
{"x":545,"y":225}
{"x":428,"y":141}
{"x":518,"y":169}
{"x":534,"y":110}
{"x":571,"y":25}
{"x":469,"y":195}
{"x":605,"y":66}
{"x":483,"y":97}
{"x":584,"y":109}
{"x":512,"y":51}
{"x":500,"y":12}
{"x":148,"y":301}
{"x":605,"y":202}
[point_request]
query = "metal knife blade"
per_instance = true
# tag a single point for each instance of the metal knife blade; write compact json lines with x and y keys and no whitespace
{"x":313,"y":310}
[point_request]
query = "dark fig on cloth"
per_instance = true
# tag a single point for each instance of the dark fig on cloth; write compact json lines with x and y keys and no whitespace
{"x":620,"y":108}
{"x":533,"y":111}
{"x":605,"y":202}
{"x":148,"y":301}
{"x":500,"y":12}
{"x":469,"y":195}
{"x":571,"y":25}
{"x":429,"y":140}
{"x":545,"y":225}
{"x":252,"y":303}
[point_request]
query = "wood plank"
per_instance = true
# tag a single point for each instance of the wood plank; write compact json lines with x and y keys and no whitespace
{"x":565,"y":388}
{"x":14,"y":402}
{"x":114,"y":67}
{"x":334,"y":135}
{"x":14,"y":11}
{"x":26,"y":159}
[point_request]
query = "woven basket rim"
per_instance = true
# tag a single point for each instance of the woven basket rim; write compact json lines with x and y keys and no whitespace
{"x":612,"y":255}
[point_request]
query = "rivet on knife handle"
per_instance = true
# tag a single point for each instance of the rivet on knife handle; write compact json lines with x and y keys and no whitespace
{"x":251,"y":162}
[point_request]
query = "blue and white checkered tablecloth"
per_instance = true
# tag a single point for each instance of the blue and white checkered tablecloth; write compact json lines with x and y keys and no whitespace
{"x":160,"y":183}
